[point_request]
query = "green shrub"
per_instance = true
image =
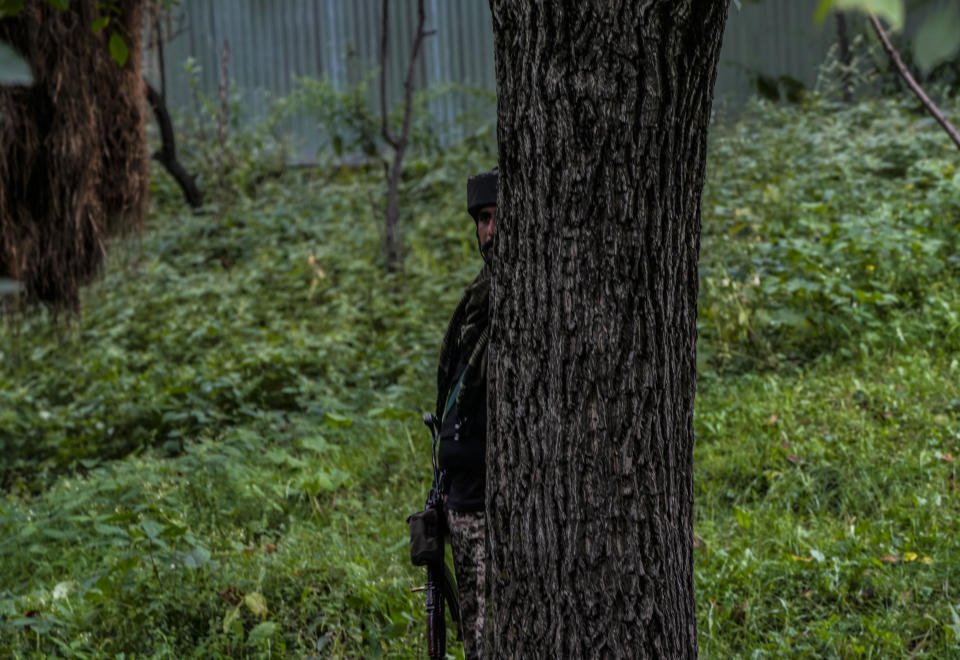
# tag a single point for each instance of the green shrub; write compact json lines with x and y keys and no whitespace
{"x":826,"y":230}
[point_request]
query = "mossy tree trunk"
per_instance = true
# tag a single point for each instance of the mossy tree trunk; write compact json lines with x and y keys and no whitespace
{"x":603,"y":111}
{"x":74,"y":162}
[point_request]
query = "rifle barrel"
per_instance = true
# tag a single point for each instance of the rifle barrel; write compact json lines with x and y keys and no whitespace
{"x":436,"y":624}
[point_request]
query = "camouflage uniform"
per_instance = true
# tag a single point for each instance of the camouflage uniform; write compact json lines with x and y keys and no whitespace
{"x":468,"y":541}
{"x":461,"y":402}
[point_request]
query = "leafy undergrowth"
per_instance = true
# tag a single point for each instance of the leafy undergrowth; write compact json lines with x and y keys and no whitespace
{"x":829,"y":230}
{"x":217,"y":459}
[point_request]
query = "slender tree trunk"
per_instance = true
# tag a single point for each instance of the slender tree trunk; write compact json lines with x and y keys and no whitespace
{"x":603,"y":110}
{"x":399,"y":143}
{"x":157,"y":99}
{"x":167,"y":154}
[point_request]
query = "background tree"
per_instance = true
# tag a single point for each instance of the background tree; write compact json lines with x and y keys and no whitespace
{"x":73,"y":169}
{"x":603,"y":109}
{"x":397,"y":142}
{"x":935,"y":41}
{"x":160,"y":32}
{"x":908,"y":78}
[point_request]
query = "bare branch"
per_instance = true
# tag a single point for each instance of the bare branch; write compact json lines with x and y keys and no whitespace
{"x":384,"y":26}
{"x":399,"y":144}
{"x":408,"y":83}
{"x":912,"y":84}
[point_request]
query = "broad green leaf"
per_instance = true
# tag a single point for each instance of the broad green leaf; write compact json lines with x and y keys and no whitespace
{"x":125,"y":565}
{"x":118,"y":48}
{"x":337,"y":421}
{"x":100,"y":23}
{"x":105,"y":530}
{"x":256,"y":603}
{"x":320,"y":483}
{"x":790,"y":317}
{"x":391,"y":413}
{"x":56,"y":534}
{"x":14,"y":70}
{"x":280,"y":457}
{"x":151,"y":528}
{"x":196,"y":558}
{"x":173,"y":531}
{"x":231,"y":616}
{"x":743,"y":517}
{"x":938,"y":39}
{"x":891,"y":10}
{"x":62,"y":5}
{"x":318,"y":444}
{"x":261,"y":633}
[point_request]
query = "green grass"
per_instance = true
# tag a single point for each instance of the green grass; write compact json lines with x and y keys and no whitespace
{"x":217,"y":459}
{"x":828,"y":510}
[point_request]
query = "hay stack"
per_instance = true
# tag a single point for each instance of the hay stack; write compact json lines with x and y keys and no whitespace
{"x":73,"y":162}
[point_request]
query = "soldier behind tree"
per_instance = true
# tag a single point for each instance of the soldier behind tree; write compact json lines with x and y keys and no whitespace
{"x":462,"y":407}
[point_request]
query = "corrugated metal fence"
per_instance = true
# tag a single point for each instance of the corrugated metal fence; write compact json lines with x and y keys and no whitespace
{"x":274,"y":41}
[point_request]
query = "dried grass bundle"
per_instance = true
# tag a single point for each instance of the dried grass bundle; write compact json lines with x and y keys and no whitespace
{"x":73,"y":162}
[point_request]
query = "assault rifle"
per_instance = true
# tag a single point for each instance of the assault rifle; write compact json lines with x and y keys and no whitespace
{"x":427,"y":529}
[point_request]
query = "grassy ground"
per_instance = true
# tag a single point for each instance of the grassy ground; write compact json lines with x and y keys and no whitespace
{"x":217,"y":459}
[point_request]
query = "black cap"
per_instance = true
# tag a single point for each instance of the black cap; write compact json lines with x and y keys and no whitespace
{"x":481,"y":191}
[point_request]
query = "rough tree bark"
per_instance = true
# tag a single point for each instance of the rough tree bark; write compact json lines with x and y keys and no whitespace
{"x":74,"y":161}
{"x":603,"y":111}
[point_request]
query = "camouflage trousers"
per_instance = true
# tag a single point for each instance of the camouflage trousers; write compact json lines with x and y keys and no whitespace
{"x":468,"y":540}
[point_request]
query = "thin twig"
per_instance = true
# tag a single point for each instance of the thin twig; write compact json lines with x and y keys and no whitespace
{"x":912,"y":84}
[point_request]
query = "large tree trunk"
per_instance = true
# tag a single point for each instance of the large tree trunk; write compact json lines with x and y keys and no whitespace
{"x":74,"y":162}
{"x":603,"y":110}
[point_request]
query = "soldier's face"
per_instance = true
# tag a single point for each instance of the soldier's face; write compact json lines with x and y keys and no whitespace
{"x":486,"y":230}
